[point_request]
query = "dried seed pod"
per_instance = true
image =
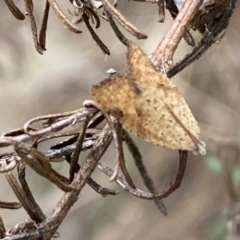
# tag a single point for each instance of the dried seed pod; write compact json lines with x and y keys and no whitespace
{"x":150,"y":104}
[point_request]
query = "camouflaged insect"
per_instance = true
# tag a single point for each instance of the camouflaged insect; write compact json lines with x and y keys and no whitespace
{"x":150,"y":104}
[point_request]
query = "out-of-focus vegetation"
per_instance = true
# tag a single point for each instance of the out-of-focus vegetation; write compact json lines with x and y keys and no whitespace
{"x":31,"y":85}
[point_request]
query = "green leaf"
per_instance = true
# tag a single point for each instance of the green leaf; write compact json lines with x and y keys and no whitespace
{"x":236,"y":176}
{"x":220,"y":232}
{"x":214,"y":164}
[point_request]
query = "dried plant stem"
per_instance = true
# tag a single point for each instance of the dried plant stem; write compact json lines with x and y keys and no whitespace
{"x":29,"y":8}
{"x":163,"y":55}
{"x":66,"y":22}
{"x":10,"y":205}
{"x":123,"y":184}
{"x":124,"y":23}
{"x":43,"y":30}
{"x":145,"y":195}
{"x":14,"y":10}
{"x":39,"y":215}
{"x":143,"y":171}
{"x":2,"y":228}
{"x":59,"y":213}
{"x":116,"y":30}
{"x":161,"y":11}
{"x":5,"y":167}
{"x":91,"y":103}
{"x":99,"y":42}
{"x":22,"y":197}
{"x":78,"y":150}
{"x":216,"y":28}
{"x":151,"y":1}
{"x":59,"y":121}
{"x":40,"y":163}
{"x":182,"y":163}
{"x":120,"y":159}
{"x":94,"y":185}
{"x":173,"y":10}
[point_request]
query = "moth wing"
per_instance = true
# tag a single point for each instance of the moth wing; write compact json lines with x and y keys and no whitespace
{"x":141,"y":70}
{"x":157,"y":113}
{"x":113,"y":93}
{"x":167,"y":120}
{"x":182,"y":111}
{"x":116,"y":94}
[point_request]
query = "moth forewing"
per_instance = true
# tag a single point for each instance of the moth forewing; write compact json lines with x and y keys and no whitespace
{"x":151,"y":105}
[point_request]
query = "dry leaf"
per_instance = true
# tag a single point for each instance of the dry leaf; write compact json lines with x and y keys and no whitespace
{"x":150,"y":104}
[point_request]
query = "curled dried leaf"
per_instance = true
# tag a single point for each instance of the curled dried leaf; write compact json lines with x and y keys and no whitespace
{"x":122,"y":21}
{"x":59,"y":13}
{"x":14,"y":10}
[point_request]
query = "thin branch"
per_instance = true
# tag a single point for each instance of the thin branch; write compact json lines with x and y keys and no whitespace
{"x":163,"y":55}
{"x":216,"y":28}
{"x":173,"y":10}
{"x":56,"y":217}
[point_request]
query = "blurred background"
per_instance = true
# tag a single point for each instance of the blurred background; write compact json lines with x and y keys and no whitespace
{"x":61,"y":79}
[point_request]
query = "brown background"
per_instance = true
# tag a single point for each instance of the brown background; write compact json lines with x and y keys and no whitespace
{"x":32,"y":85}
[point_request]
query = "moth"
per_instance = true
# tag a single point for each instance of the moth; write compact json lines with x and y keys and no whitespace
{"x":149,"y":105}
